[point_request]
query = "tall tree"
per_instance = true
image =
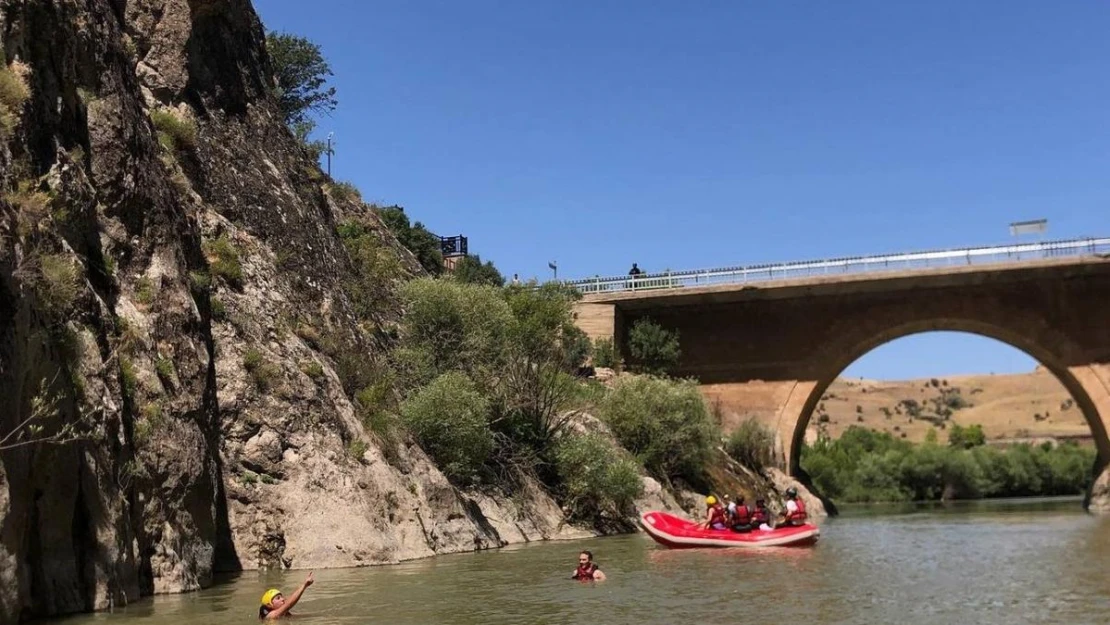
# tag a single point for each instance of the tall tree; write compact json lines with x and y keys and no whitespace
{"x":302,"y":75}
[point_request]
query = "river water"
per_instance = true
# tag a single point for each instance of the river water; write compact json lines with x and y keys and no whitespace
{"x":980,"y":563}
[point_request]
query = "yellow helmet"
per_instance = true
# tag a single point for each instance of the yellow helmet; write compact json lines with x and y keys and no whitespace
{"x":710,"y":500}
{"x":269,"y":595}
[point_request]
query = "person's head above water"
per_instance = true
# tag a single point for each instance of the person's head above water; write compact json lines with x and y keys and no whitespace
{"x":272,"y":598}
{"x":585,"y":557}
{"x":275,"y":605}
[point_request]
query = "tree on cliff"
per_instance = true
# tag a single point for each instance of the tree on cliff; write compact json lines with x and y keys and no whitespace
{"x":301,"y":72}
{"x":415,"y":237}
{"x":471,"y":271}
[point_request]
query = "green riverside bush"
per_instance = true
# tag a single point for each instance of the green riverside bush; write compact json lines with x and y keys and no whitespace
{"x":752,"y":444}
{"x":866,"y":466}
{"x":665,"y":423}
{"x":596,"y":477}
{"x":449,"y":418}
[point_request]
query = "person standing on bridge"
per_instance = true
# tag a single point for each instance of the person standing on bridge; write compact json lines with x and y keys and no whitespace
{"x":635,"y":271}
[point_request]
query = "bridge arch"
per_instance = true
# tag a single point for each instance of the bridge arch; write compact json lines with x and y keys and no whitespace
{"x":1054,"y":350}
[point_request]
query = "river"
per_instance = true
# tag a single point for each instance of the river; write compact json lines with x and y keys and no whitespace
{"x":981,"y":563}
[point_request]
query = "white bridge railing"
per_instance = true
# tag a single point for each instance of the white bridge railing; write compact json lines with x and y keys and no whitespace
{"x":849,"y":265}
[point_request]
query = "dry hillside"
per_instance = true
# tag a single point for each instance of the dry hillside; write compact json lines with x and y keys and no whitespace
{"x":1007,"y":406}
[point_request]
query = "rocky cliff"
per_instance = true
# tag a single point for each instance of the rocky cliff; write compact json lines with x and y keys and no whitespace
{"x":172,"y":283}
{"x":180,"y":313}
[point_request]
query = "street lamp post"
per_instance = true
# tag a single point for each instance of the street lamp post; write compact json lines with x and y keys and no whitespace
{"x":554,"y":269}
{"x":330,"y":135}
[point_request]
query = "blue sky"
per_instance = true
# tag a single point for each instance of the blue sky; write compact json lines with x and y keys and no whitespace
{"x":597,"y":134}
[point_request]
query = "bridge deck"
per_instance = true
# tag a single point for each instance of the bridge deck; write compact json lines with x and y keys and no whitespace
{"x":852,"y":283}
{"x":950,"y":261}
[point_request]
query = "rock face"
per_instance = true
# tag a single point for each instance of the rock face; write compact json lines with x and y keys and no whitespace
{"x":1098,"y":500}
{"x":195,"y":331}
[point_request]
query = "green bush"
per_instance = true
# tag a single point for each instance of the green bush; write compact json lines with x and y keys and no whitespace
{"x":449,"y":326}
{"x":224,"y":260}
{"x":375,"y":266}
{"x":164,"y":367}
{"x":357,"y":448}
{"x":653,"y":348}
{"x":312,"y":369}
{"x":595,"y":477}
{"x":32,"y":206}
{"x":219,"y":310}
{"x":263,"y":373}
{"x":56,"y":284}
{"x":864,"y":465}
{"x":449,"y":418}
{"x":665,"y":423}
{"x":344,"y":191}
{"x":471,"y":270}
{"x":144,"y":291}
{"x":605,"y":353}
{"x":966,"y":437}
{"x":14,"y":92}
{"x":174,"y":133}
{"x":424,"y":245}
{"x":752,"y":445}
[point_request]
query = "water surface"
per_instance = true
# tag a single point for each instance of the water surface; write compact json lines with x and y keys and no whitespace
{"x":981,"y":563}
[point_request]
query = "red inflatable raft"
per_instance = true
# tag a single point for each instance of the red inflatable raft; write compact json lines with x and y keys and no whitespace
{"x":677,"y":533}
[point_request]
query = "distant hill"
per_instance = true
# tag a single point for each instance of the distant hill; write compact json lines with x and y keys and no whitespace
{"x":1027,"y":405}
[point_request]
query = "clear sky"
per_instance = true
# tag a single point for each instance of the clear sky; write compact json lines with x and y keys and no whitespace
{"x":687,"y":135}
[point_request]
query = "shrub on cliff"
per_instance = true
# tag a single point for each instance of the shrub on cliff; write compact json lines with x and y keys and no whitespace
{"x":665,"y":423}
{"x":448,"y":417}
{"x":752,"y":444}
{"x":14,"y":92}
{"x":415,"y":237}
{"x":653,"y":348}
{"x":174,"y":132}
{"x":595,"y":477}
{"x":376,"y":268}
{"x":449,"y":326}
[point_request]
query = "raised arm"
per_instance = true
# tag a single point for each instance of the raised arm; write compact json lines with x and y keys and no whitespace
{"x":292,"y":601}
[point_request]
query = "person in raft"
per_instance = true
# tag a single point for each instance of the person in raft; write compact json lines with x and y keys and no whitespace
{"x":741,"y":516}
{"x":275,"y":605}
{"x":587,"y":568}
{"x":795,"y":513}
{"x":761,"y":516}
{"x":715,"y":517}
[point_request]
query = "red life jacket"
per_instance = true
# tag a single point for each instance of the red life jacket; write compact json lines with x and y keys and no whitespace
{"x":800,"y":513}
{"x":585,"y":572}
{"x":743,"y":514}
{"x":718,"y":515}
{"x":759,"y":515}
